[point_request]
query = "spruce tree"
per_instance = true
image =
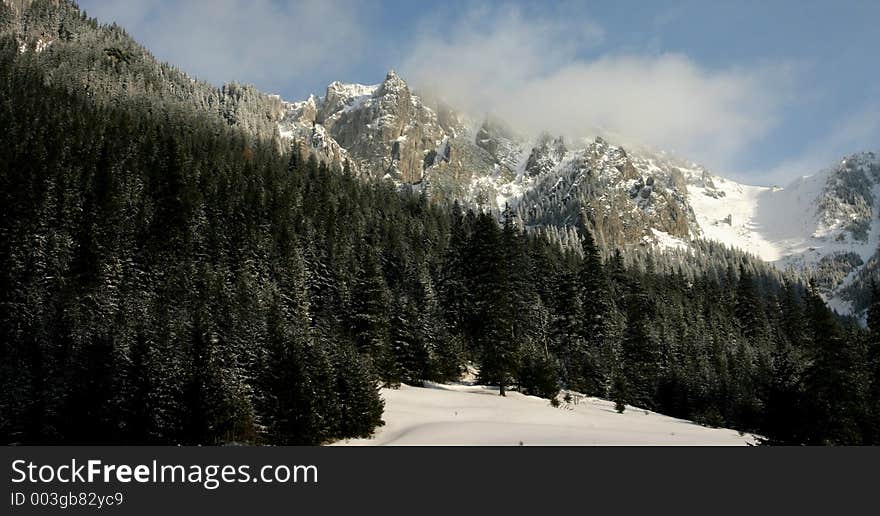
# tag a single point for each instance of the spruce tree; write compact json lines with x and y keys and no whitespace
{"x":872,"y":427}
{"x":370,"y":313}
{"x":492,"y":322}
{"x":598,"y":327}
{"x":832,"y":380}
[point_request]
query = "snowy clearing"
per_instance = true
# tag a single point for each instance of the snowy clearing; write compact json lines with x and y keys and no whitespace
{"x":463,"y":414}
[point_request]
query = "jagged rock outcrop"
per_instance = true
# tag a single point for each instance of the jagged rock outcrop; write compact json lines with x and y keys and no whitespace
{"x":387,"y":131}
{"x":847,"y":200}
{"x":383,"y":129}
{"x":625,"y":201}
{"x":848,"y":214}
{"x":546,"y":154}
{"x":501,"y":143}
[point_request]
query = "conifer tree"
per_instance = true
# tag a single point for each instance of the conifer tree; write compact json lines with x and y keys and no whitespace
{"x":169,"y":274}
{"x":370,"y":313}
{"x":872,"y":432}
{"x":407,"y":345}
{"x":832,"y":380}
{"x":493,"y":319}
{"x":598,"y":327}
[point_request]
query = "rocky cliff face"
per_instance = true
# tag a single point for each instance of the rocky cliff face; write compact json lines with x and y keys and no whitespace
{"x":388,"y":131}
{"x":628,"y":199}
{"x":383,"y":130}
{"x":847,"y":201}
{"x":824,"y":226}
{"x":844,"y":252}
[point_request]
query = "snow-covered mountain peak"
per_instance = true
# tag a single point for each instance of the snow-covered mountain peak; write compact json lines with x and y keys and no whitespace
{"x":350,"y":90}
{"x":342,"y":96}
{"x":824,"y":224}
{"x":382,"y":129}
{"x":393,"y":84}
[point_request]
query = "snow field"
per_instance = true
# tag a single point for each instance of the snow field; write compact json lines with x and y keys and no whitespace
{"x":476,"y":415}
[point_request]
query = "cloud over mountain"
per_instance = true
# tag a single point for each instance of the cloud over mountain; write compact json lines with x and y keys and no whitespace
{"x":534,"y":74}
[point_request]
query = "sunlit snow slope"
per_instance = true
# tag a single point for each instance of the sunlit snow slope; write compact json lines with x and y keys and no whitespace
{"x":825,"y":224}
{"x":477,"y":415}
{"x":772,"y":223}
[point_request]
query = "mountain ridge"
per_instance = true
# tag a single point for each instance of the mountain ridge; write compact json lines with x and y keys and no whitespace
{"x":820,"y":226}
{"x":632,"y":197}
{"x":177,"y":273}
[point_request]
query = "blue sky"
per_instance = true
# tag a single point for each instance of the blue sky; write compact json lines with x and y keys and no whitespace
{"x":760,"y":91}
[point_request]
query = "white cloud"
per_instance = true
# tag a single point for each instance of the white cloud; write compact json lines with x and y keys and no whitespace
{"x":539,"y":69}
{"x":264,"y":42}
{"x":528,"y":72}
{"x":858,"y":131}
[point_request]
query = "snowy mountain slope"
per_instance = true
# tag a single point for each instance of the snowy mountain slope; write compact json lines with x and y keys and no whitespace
{"x":476,"y":415}
{"x":824,"y":226}
{"x":820,"y":226}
